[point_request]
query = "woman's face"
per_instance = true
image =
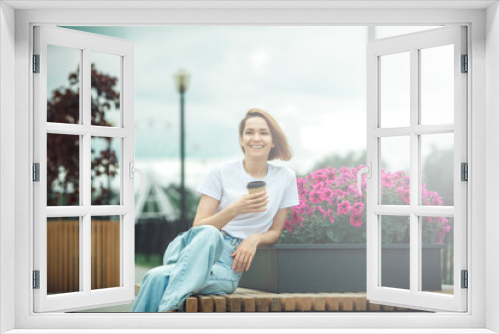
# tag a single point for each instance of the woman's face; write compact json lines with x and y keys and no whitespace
{"x":257,"y":140}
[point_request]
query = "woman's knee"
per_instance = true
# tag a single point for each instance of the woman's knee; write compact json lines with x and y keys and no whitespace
{"x":207,"y":230}
{"x":156,"y":273}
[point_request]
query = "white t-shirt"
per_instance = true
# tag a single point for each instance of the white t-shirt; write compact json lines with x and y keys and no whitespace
{"x":228,"y":181}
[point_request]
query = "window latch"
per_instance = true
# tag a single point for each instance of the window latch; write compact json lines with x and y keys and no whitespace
{"x":365,"y":170}
{"x":133,"y":170}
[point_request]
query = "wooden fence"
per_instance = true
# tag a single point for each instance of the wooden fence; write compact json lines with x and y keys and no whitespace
{"x":63,"y":255}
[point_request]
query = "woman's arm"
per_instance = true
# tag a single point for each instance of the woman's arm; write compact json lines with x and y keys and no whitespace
{"x":205,"y":215}
{"x":245,"y":252}
{"x":273,"y":234}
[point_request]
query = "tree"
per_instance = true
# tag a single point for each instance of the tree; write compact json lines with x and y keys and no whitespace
{"x":63,"y":170}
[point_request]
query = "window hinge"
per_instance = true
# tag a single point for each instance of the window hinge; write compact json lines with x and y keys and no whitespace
{"x":36,"y":172}
{"x":465,"y":279}
{"x":464,"y":172}
{"x":465,"y":64}
{"x":36,"y":279}
{"x":36,"y":63}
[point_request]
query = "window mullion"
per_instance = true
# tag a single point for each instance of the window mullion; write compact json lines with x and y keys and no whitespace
{"x":85,"y":248}
{"x":414,"y":170}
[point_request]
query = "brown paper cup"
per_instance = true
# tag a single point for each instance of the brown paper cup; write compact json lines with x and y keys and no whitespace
{"x":256,"y":190}
{"x":256,"y":187}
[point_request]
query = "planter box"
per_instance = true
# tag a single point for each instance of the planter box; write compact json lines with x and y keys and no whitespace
{"x":335,"y":268}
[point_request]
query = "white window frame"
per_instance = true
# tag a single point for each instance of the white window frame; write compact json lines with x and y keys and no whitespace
{"x":483,"y":103}
{"x":123,"y":51}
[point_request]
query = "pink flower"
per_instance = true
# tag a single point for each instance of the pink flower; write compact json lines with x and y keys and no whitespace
{"x":405,"y":196}
{"x":387,"y":181}
{"x":288,"y":226}
{"x":346,"y":173}
{"x":331,"y":175}
{"x":327,"y":194}
{"x":439,"y":239}
{"x":356,"y":220}
{"x":300,"y":184}
{"x":315,"y":197}
{"x":442,"y":220}
{"x":330,"y":215}
{"x":436,"y":200}
{"x":343,"y":208}
{"x":341,"y":193}
{"x":357,"y":208}
{"x":353,"y":189}
{"x":319,"y":186}
{"x":319,"y":176}
{"x":424,"y":191}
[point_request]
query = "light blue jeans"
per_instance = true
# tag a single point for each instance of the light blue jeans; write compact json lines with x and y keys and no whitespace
{"x":197,"y":261}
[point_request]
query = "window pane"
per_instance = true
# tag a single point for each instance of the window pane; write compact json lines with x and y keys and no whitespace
{"x":106,"y":83}
{"x":395,"y":241}
{"x":63,"y":255}
{"x":395,"y":90}
{"x":105,"y":170}
{"x":437,"y":85}
{"x":437,"y":169}
{"x":63,"y":170}
{"x":105,"y":252}
{"x":437,"y":254}
{"x":63,"y":84}
{"x":395,"y":170}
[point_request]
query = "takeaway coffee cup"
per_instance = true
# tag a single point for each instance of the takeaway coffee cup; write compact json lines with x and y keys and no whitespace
{"x":256,"y":187}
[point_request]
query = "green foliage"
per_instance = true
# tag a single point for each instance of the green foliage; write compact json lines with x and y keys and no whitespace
{"x":351,"y":159}
{"x":148,"y":261}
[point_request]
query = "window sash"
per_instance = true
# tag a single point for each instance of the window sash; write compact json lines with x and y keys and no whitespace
{"x":85,"y":297}
{"x":413,"y":298}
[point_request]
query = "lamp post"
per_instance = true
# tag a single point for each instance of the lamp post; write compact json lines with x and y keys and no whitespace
{"x":182,"y":83}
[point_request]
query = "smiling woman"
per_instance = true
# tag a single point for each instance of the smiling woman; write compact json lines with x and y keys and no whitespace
{"x":230,"y":223}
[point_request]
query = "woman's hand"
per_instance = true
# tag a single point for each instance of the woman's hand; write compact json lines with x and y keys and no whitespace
{"x":251,"y":203}
{"x":244,"y":254}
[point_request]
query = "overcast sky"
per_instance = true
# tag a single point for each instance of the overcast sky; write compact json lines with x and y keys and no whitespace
{"x":312,"y":79}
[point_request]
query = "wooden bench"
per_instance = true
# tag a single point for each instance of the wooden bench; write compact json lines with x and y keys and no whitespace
{"x":248,"y":300}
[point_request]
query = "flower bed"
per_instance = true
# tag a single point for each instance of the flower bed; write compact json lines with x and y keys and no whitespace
{"x":331,"y":211}
{"x":323,"y":245}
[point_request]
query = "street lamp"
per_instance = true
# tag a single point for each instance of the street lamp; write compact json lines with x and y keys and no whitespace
{"x":182,"y":84}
